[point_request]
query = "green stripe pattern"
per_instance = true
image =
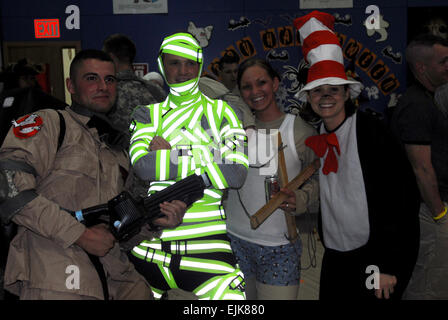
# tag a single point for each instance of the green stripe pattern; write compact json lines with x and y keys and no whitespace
{"x":194,"y":150}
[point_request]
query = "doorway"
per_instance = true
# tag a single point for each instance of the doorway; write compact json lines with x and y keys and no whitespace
{"x":54,"y":56}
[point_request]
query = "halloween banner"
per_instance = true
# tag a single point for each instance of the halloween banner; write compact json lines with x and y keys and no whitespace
{"x":369,"y":55}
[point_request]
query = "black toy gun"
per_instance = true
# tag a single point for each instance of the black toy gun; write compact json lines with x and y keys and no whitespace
{"x":127,"y":215}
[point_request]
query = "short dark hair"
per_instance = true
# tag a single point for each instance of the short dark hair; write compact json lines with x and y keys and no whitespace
{"x":228,"y":58}
{"x":255,"y":61}
{"x":121,"y":46}
{"x":418,"y":48}
{"x":85,"y":55}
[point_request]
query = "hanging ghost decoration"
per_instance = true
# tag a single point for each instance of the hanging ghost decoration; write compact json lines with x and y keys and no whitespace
{"x":202,"y":34}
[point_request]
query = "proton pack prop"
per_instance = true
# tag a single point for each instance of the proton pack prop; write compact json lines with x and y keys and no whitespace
{"x":126,"y":215}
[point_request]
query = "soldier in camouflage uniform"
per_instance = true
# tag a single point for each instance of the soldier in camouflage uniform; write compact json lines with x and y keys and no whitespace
{"x":132,"y":91}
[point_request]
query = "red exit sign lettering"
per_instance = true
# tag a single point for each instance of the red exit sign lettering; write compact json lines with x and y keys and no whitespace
{"x":46,"y":28}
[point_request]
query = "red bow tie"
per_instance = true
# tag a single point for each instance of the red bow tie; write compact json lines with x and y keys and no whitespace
{"x":320,"y":144}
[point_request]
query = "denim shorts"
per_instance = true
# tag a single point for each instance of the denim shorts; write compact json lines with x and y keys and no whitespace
{"x":273,"y":265}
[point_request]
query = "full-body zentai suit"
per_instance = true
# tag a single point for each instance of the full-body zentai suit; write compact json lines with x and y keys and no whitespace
{"x":206,"y":138}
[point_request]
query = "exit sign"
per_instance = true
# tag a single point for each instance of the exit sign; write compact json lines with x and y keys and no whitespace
{"x":46,"y":28}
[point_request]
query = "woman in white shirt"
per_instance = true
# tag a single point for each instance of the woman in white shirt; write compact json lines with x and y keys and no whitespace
{"x":269,"y":261}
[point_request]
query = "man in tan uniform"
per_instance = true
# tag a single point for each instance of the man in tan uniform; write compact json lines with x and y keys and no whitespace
{"x":49,"y":257}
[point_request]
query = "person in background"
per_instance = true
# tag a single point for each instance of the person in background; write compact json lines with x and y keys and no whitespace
{"x":225,"y":87}
{"x":228,"y":70}
{"x":368,"y":195}
{"x":269,"y":260}
{"x":22,"y":94}
{"x":216,"y":90}
{"x":19,"y":75}
{"x":132,"y":91}
{"x":421,"y":123}
{"x":155,"y":77}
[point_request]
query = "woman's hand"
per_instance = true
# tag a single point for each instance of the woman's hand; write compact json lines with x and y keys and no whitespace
{"x":290,"y":203}
{"x":387,"y":284}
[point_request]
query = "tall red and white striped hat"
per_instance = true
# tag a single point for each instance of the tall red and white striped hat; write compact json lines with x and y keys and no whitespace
{"x":322,"y":50}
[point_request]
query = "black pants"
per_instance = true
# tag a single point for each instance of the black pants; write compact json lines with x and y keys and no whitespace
{"x":343,"y":276}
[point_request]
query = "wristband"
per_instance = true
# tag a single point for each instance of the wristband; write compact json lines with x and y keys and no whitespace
{"x":442,"y":214}
{"x":79,"y":216}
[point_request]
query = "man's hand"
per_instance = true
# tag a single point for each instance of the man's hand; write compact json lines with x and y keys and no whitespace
{"x":387,"y":284}
{"x":174,"y":213}
{"x":420,"y":159}
{"x":158,"y":143}
{"x":96,"y":240}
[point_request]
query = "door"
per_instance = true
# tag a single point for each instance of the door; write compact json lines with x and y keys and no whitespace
{"x":51,"y":55}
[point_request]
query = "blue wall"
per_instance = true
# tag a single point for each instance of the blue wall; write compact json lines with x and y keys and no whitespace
{"x":264,"y":17}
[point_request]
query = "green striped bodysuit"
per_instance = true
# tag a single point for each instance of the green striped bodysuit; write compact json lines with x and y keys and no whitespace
{"x":206,"y":138}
